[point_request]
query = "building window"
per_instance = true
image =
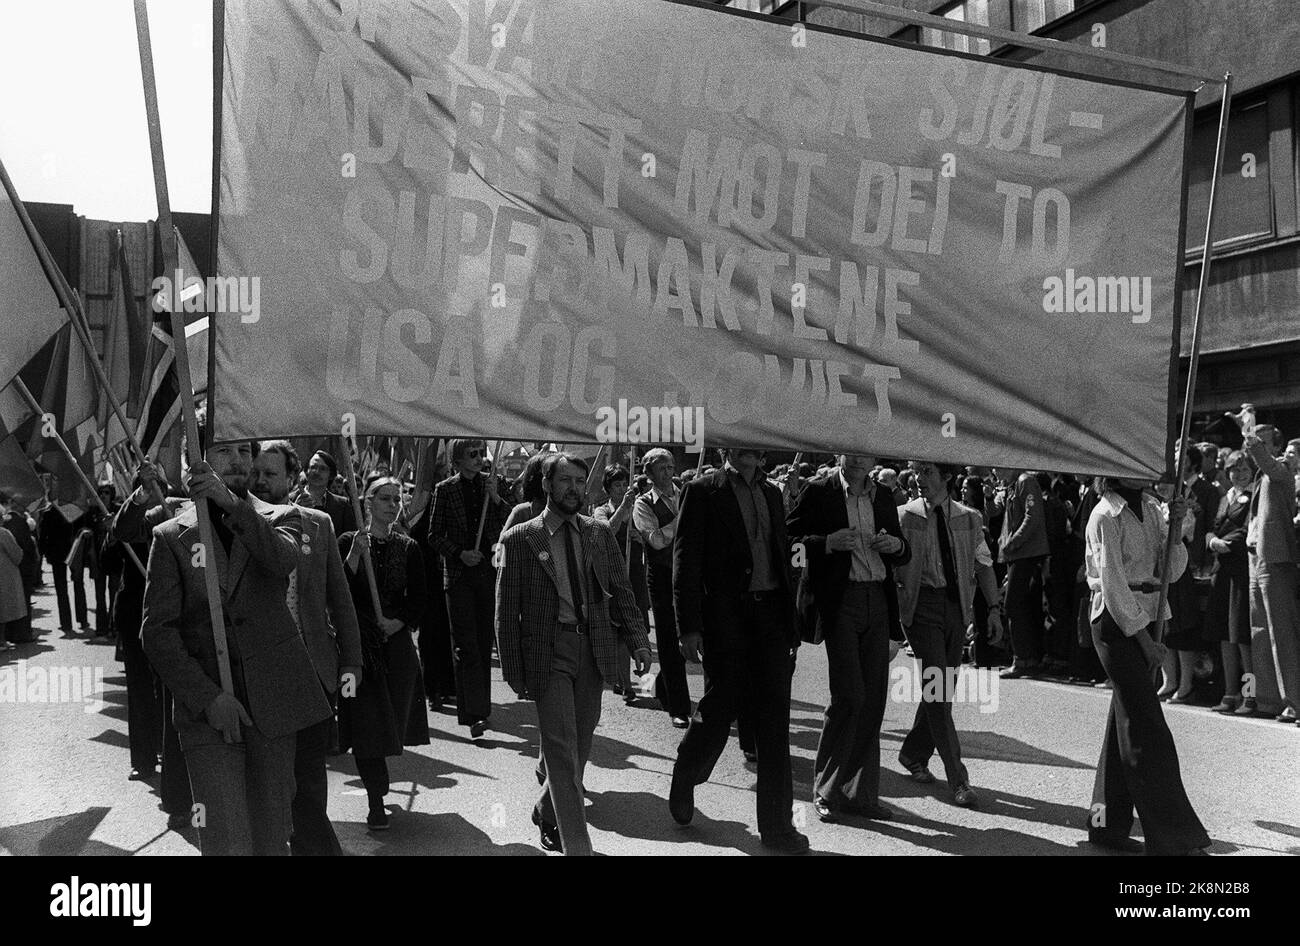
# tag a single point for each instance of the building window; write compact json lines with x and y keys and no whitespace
{"x":753,"y":6}
{"x":969,"y":11}
{"x":1030,"y":15}
{"x":1245,"y":203}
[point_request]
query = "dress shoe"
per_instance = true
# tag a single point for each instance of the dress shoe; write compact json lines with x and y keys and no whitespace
{"x":178,"y":821}
{"x":478,"y":728}
{"x":787,"y":842}
{"x":1247,"y":708}
{"x":681,"y":800}
{"x":964,"y":797}
{"x":825,"y":810}
{"x":550,"y":833}
{"x":1124,"y":845}
{"x":680,"y":722}
{"x":751,"y":758}
{"x":1286,"y":716}
{"x":377,"y":819}
{"x":920,"y":773}
{"x":1228,"y":704}
{"x":1179,"y":699}
{"x":629,"y":697}
{"x":142,"y":775}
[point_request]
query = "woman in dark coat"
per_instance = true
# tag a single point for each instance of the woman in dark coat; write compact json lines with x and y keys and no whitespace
{"x":1228,"y":617}
{"x":388,"y":710}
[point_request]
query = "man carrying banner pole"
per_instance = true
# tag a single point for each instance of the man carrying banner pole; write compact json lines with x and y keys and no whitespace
{"x":469,"y":575}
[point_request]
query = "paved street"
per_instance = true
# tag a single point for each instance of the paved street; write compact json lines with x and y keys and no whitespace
{"x":65,"y":764}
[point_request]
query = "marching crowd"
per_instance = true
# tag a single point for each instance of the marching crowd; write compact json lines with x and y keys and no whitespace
{"x":340,"y":631}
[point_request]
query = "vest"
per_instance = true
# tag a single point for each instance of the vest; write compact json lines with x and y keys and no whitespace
{"x":657,"y":559}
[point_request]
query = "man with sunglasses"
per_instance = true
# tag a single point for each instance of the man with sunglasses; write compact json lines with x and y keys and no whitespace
{"x":468,"y":577}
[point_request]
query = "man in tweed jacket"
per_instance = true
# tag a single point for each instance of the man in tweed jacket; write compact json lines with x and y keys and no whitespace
{"x":561,"y":572}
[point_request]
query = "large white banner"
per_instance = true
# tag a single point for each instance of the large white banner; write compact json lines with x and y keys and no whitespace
{"x":539,"y":220}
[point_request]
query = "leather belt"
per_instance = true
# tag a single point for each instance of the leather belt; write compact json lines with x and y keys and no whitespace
{"x":575,"y":628}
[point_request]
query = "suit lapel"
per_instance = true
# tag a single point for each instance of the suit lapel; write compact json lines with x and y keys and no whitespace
{"x":539,"y":541}
{"x":190,"y":537}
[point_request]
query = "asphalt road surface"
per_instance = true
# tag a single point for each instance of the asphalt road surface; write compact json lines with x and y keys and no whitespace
{"x":1031,"y":747}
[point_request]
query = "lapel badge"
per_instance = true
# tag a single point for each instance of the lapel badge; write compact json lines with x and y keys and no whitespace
{"x":543,"y":556}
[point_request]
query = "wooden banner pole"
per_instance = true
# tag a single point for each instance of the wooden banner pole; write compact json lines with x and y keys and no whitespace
{"x":194,"y":449}
{"x":351,"y":482}
{"x":67,"y":452}
{"x":487,"y":491}
{"x":1180,"y":487}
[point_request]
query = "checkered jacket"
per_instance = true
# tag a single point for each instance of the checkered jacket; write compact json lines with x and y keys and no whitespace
{"x":452,"y":527}
{"x":528,"y":603}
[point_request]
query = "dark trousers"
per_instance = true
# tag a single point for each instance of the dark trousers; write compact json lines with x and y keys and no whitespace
{"x":105,"y":591}
{"x":144,"y":723}
{"x":60,"y":572}
{"x":374,"y":776}
{"x":245,"y":789}
{"x":750,"y":657}
{"x":1139,"y":764}
{"x":568,"y":709}
{"x":936,"y":636}
{"x":857,"y":660}
{"x":175,"y":788}
{"x":1060,"y":600}
{"x":670,"y":683}
{"x":1025,"y":608}
{"x":436,"y":653}
{"x":313,"y":835}
{"x":471,"y":603}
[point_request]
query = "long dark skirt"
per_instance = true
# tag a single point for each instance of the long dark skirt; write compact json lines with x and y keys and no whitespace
{"x":1139,"y":764}
{"x":388,"y":710}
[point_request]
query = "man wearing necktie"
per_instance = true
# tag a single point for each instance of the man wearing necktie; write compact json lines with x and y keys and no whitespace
{"x":561,"y":574}
{"x":847,"y":598}
{"x":936,"y":603}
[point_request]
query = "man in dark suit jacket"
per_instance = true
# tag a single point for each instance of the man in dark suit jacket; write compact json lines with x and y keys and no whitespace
{"x":468,"y":576}
{"x":240,"y":745}
{"x":56,"y":534}
{"x":321,"y":471}
{"x":734,"y":599}
{"x":321,"y":603}
{"x":848,"y":527}
{"x":562,"y":573}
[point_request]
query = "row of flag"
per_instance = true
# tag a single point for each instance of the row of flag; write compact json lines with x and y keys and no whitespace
{"x":41,"y":347}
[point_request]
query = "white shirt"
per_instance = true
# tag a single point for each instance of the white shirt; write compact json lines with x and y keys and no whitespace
{"x":867,"y":563}
{"x":647,"y":523}
{"x":1120,"y":550}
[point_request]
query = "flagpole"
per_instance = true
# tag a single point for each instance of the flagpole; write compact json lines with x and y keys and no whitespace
{"x":181,"y":355}
{"x":489,"y":486}
{"x":72,"y":305}
{"x":1180,"y":486}
{"x":631,"y":484}
{"x":35,"y":405}
{"x":351,"y":482}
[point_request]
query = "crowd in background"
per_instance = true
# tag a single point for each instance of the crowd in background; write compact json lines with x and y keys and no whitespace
{"x":1232,"y":640}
